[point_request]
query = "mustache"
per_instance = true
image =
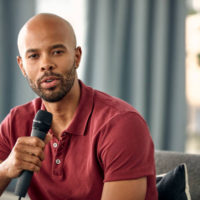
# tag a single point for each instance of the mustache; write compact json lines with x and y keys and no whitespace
{"x":47,"y":74}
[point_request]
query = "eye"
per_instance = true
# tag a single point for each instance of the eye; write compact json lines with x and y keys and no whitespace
{"x":58,"y":52}
{"x":33,"y":56}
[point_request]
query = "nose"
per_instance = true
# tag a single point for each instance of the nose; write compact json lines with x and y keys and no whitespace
{"x":47,"y":67}
{"x":47,"y":64}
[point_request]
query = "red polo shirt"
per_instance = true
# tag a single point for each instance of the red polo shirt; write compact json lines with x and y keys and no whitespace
{"x":107,"y":140}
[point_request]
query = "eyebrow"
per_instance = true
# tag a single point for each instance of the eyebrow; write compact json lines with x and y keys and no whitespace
{"x":58,"y":46}
{"x":52,"y":47}
{"x":31,"y":51}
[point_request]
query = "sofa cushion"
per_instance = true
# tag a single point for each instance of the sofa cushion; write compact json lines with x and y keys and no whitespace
{"x":174,"y":184}
{"x":168,"y":160}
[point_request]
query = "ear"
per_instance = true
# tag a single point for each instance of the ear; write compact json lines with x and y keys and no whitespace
{"x":78,"y":53}
{"x":20,"y":63}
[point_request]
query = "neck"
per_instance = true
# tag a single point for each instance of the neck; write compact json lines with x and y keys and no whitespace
{"x":63,"y":110}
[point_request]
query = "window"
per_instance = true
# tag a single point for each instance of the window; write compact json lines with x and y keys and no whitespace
{"x":75,"y":13}
{"x":193,"y":75}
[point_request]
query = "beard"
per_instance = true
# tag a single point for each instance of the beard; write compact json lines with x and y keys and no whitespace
{"x":56,"y":93}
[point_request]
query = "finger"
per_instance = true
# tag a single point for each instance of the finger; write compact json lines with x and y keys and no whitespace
{"x":29,"y":166}
{"x":27,"y":158}
{"x":33,"y":141}
{"x":21,"y":149}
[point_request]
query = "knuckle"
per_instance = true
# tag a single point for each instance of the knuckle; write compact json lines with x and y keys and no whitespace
{"x":37,"y":152}
{"x":34,"y":167}
{"x":17,"y":148}
{"x":35,"y":140}
{"x":38,"y":162}
{"x":31,"y":167}
{"x":16,"y":153}
{"x":20,"y":140}
{"x":40,"y":152}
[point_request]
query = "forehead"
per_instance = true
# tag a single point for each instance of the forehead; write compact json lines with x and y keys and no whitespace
{"x":41,"y":34}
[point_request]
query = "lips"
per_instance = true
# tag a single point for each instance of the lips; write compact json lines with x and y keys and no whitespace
{"x":49,"y":82}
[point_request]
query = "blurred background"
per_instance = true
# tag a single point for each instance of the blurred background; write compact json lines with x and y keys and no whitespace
{"x":146,"y":52}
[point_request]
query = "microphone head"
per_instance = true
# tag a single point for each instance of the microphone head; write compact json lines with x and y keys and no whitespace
{"x":42,"y":120}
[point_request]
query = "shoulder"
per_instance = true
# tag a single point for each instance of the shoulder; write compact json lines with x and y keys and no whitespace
{"x":26,"y":110}
{"x":21,"y":115}
{"x":112,"y":111}
{"x":114,"y":103}
{"x":103,"y":103}
{"x":118,"y":121}
{"x":18,"y":122}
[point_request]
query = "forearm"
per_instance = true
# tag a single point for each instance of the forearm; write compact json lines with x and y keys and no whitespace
{"x":4,"y":180}
{"x":125,"y":190}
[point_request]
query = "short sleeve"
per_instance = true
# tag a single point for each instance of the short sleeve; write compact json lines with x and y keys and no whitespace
{"x":4,"y":138}
{"x":125,"y":148}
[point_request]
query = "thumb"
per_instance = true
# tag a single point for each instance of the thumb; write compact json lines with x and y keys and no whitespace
{"x":47,"y":138}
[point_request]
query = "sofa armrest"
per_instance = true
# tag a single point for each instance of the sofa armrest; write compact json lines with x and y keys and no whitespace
{"x":168,"y":160}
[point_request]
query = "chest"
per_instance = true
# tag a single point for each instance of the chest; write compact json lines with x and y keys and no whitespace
{"x":72,"y":166}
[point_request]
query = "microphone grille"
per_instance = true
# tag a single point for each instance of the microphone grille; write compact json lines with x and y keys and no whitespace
{"x":42,"y":120}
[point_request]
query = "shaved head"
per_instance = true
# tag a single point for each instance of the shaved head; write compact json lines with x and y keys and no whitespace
{"x":49,"y":56}
{"x":46,"y":21}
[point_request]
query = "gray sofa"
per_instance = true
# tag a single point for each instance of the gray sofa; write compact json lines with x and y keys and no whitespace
{"x":168,"y":160}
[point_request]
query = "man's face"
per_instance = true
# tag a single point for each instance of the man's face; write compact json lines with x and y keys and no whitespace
{"x":52,"y":87}
{"x":49,"y":60}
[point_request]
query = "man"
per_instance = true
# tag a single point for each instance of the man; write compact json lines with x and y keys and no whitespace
{"x":98,"y":147}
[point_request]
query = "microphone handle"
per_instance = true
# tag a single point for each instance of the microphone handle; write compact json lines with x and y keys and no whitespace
{"x":24,"y":179}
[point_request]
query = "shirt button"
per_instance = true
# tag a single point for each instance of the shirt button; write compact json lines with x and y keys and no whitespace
{"x":55,"y":145}
{"x":58,"y":161}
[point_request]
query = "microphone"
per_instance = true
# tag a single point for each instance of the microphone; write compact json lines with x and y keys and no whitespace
{"x":41,"y":125}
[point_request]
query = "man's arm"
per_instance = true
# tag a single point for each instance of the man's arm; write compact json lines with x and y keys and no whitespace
{"x":4,"y":181}
{"x":125,"y":190}
{"x":27,"y":154}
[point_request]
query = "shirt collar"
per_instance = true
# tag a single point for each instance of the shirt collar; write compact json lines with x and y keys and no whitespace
{"x":83,"y":111}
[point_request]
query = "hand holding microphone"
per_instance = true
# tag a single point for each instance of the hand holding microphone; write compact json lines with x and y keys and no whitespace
{"x":28,"y":153}
{"x":41,"y":125}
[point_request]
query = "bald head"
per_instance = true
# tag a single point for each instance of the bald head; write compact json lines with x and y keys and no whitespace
{"x":42,"y":24}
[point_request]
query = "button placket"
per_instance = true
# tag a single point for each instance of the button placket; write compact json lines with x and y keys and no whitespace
{"x":60,"y":154}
